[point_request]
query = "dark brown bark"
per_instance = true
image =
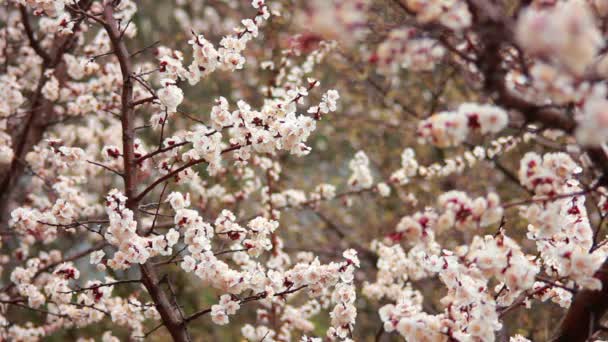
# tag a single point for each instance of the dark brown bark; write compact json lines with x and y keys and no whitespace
{"x":586,"y":310}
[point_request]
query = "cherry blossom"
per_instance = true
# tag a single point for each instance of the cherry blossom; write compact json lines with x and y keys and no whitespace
{"x":325,"y":170}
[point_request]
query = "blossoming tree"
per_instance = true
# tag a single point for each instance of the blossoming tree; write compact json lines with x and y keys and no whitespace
{"x":303,"y":170}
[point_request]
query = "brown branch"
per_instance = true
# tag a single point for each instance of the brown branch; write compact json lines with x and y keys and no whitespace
{"x":146,"y":335}
{"x":79,"y":305}
{"x":160,"y":150}
{"x":544,"y":199}
{"x":252,"y":298}
{"x":160,"y":199}
{"x":30,"y":36}
{"x":105,"y":167}
{"x":173,"y":173}
{"x":94,"y":287}
{"x":18,"y":304}
{"x":143,"y":101}
{"x":586,"y":311}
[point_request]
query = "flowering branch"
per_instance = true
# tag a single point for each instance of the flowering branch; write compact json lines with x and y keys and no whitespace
{"x":247,"y":299}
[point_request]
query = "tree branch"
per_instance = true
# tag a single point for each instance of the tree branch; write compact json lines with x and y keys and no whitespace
{"x":255,"y":297}
{"x":170,"y":317}
{"x":30,"y":36}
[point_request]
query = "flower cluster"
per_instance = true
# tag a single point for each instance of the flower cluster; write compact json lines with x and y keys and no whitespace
{"x":410,"y":167}
{"x":452,"y":128}
{"x":258,"y":235}
{"x":501,"y":257}
{"x":275,"y":127}
{"x":452,"y":14}
{"x":560,"y":227}
{"x":395,"y":269}
{"x":343,"y":296}
{"x":220,"y":312}
{"x":122,"y":233}
{"x":270,"y":285}
{"x":565,"y":33}
{"x":417,"y":228}
{"x":593,"y":121}
{"x":252,"y":333}
{"x":470,"y":312}
{"x":361,"y":175}
{"x":49,"y":8}
{"x":10,"y":100}
{"x":559,"y":295}
{"x":462,"y":212}
{"x":170,"y":96}
{"x":207,"y":59}
{"x":456,"y":210}
{"x":52,"y":289}
{"x":546,"y":81}
{"x":402,"y":49}
{"x":341,"y":20}
{"x":407,"y":318}
{"x":546,"y":174}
